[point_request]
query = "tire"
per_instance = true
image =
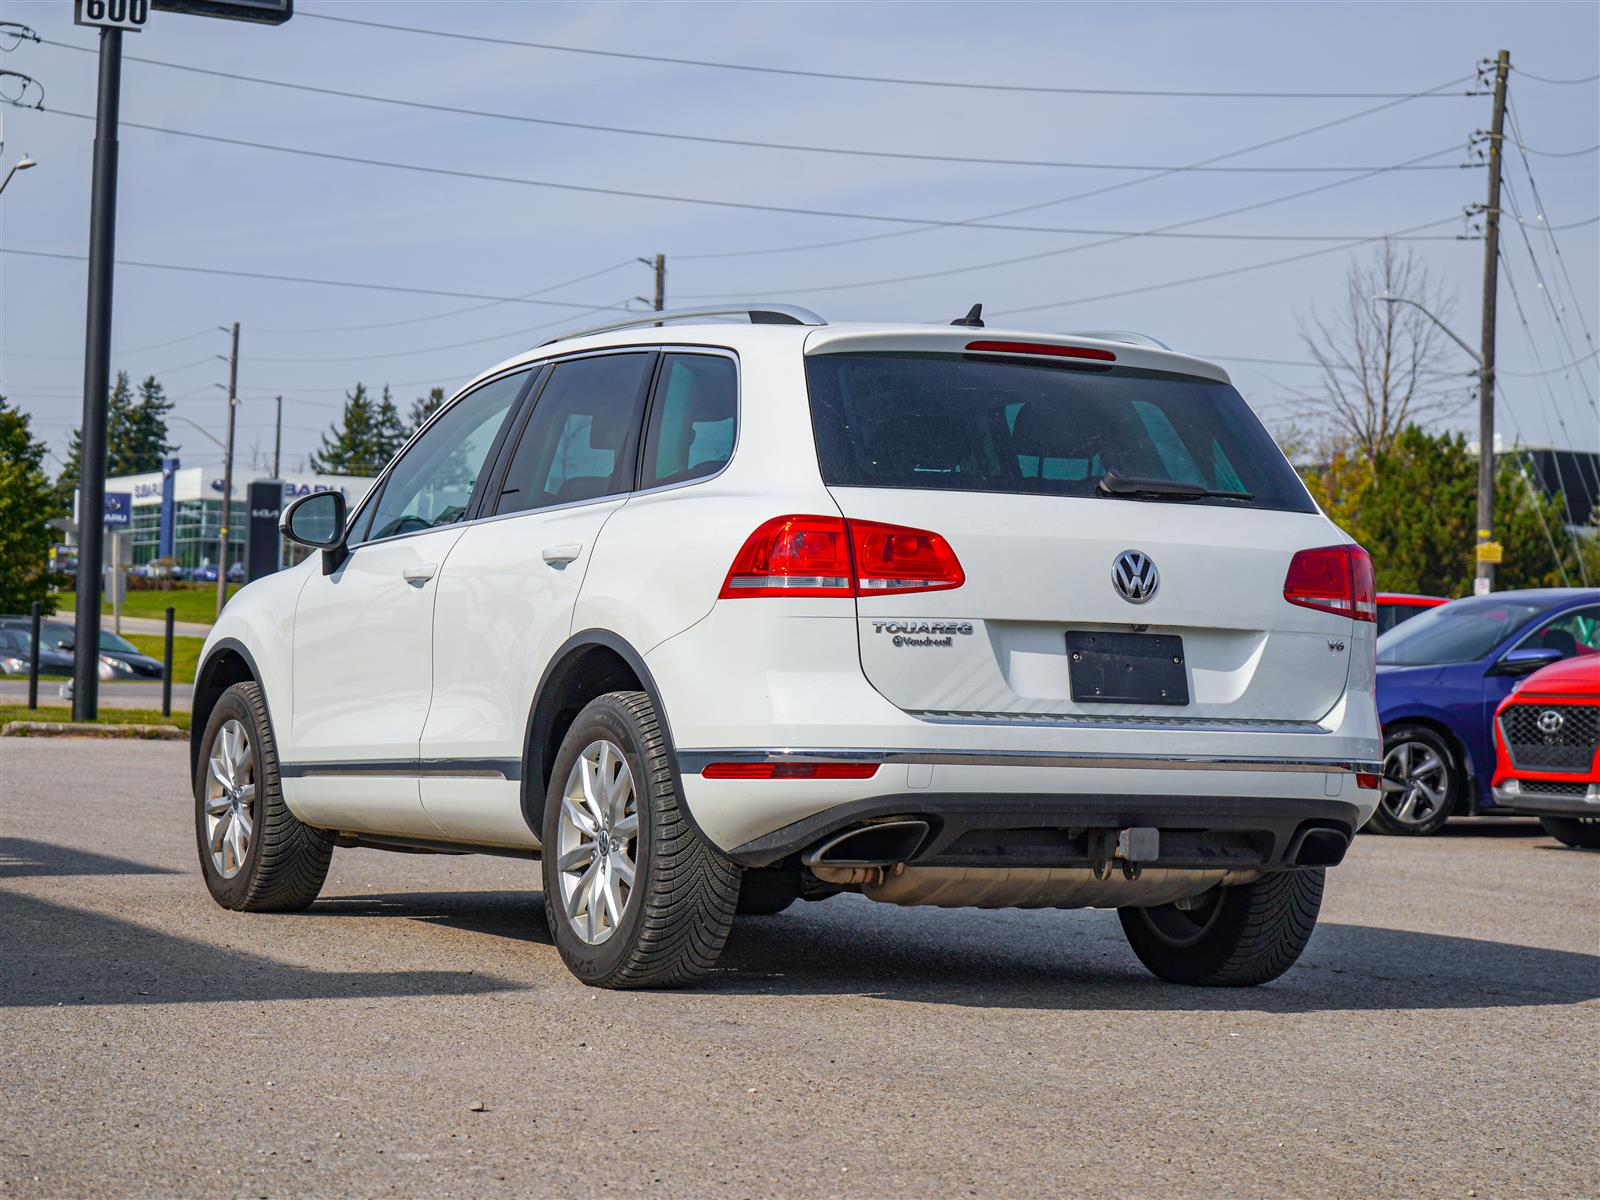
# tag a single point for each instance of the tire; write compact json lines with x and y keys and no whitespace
{"x":602,"y":830}
{"x":283,"y":863}
{"x":1582,"y":833}
{"x":767,"y":892}
{"x":1421,"y":782}
{"x":1233,"y":936}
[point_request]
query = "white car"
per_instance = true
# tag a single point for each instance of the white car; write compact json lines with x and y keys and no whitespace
{"x":712,"y":614}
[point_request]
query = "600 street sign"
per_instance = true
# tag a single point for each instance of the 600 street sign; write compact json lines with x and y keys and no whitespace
{"x":112,"y":14}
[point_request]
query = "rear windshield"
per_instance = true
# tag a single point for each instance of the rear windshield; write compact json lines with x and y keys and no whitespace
{"x":1463,"y":631}
{"x":951,"y":422}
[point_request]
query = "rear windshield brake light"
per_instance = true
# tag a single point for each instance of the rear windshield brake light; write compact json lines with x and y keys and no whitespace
{"x":1045,"y":348}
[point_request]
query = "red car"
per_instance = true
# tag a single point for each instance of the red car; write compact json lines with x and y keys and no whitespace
{"x":1547,"y":737}
{"x":1394,"y":607}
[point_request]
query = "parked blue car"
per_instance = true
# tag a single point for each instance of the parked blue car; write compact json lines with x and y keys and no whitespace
{"x":1442,"y":674}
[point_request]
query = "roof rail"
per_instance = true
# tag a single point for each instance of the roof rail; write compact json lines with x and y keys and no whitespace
{"x":759,"y":314}
{"x":1126,"y":336}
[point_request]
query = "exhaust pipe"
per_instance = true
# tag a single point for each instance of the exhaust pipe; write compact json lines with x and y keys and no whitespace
{"x":862,"y":854}
{"x":1318,"y":846}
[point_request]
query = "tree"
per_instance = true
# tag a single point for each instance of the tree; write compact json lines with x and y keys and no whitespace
{"x":424,"y":407}
{"x":1384,"y":366}
{"x":136,"y":436}
{"x":366,"y":436}
{"x":1414,"y":508}
{"x":26,"y":503}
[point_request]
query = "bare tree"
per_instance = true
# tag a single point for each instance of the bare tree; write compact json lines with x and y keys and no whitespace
{"x":1384,"y":366}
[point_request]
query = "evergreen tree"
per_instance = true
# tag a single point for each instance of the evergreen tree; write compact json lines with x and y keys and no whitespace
{"x":145,"y":441}
{"x":367,"y":435}
{"x":424,"y":407}
{"x":26,"y":504}
{"x":391,"y":430}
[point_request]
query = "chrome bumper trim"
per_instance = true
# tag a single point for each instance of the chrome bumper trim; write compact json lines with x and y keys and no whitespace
{"x":692,"y":762}
{"x":991,"y":720}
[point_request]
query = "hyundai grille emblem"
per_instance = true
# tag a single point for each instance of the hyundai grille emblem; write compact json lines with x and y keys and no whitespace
{"x":1550,"y":721}
{"x":1135,"y":576}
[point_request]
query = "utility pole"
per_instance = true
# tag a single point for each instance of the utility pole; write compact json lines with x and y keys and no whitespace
{"x":1484,"y":583}
{"x":659,"y":262}
{"x":277,"y":442}
{"x":227,"y":475}
{"x":96,"y":383}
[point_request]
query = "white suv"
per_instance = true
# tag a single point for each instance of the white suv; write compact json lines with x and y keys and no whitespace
{"x":715,"y":615}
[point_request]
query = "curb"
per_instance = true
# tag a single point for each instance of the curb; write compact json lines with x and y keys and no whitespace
{"x":163,"y":733}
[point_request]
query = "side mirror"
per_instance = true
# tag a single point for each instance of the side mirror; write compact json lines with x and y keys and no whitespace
{"x":318,"y":521}
{"x":1525,"y":660}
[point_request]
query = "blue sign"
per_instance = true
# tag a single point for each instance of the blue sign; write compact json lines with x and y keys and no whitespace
{"x":119,"y":508}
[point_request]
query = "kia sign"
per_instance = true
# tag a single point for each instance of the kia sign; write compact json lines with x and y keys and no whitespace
{"x":265,"y":12}
{"x":119,"y":509}
{"x":261,"y":537}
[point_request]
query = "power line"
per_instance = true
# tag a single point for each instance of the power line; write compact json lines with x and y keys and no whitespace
{"x":1557,"y":153}
{"x":454,"y":312}
{"x":1526,"y":75}
{"x":345,"y":283}
{"x":1099,"y":191}
{"x":876,"y":79}
{"x":703,"y":201}
{"x":744,"y":143}
{"x":1171,"y":283}
{"x":1159,"y":231}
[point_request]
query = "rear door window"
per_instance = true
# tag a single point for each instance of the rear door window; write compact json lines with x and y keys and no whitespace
{"x":692,"y":419}
{"x":955,"y":422}
{"x":581,"y":441}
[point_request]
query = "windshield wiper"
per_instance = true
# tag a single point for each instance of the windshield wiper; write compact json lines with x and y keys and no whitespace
{"x":1113,"y":484}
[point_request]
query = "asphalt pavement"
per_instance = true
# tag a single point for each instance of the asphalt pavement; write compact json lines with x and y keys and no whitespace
{"x":1437,"y":1039}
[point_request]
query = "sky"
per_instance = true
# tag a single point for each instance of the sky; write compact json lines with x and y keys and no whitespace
{"x":196,"y":203}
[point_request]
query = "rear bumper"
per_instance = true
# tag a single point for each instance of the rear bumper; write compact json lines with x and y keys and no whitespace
{"x":1049,"y":830}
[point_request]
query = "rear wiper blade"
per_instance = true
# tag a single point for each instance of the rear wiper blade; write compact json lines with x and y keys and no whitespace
{"x":1113,"y":484}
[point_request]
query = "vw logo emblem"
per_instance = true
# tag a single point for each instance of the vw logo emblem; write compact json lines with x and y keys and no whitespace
{"x":1550,"y":721}
{"x":1134,"y":575}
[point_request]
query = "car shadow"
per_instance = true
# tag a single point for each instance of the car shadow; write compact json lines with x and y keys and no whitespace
{"x":1050,"y":960}
{"x":58,"y":955}
{"x":23,"y":857}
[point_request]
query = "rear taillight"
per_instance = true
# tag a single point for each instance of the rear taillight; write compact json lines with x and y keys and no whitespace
{"x":791,"y":770}
{"x":1045,"y":348}
{"x":829,"y":556}
{"x":1333,"y":579}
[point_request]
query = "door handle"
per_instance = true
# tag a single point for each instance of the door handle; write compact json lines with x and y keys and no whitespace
{"x":420,"y":573}
{"x":560,"y":556}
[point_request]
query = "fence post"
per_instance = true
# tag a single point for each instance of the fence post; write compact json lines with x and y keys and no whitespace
{"x":166,"y":674}
{"x":33,"y":662}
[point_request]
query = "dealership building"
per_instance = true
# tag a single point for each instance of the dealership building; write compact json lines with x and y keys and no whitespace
{"x":176,"y":513}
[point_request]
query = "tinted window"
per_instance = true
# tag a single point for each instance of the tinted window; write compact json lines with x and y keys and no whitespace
{"x":433,"y":481}
{"x":579,"y":443}
{"x":692,"y":420}
{"x":1461,"y":631}
{"x":954,"y":423}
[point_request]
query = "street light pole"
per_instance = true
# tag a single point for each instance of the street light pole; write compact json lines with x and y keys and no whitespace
{"x":1485,"y":574}
{"x":96,"y":383}
{"x":227,"y":475}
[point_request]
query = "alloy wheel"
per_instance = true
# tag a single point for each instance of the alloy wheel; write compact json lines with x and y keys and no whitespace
{"x":1416,"y":782}
{"x":230,"y":798}
{"x":597,"y":842}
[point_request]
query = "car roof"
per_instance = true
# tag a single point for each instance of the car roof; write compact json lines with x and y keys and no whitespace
{"x":1132,"y":350}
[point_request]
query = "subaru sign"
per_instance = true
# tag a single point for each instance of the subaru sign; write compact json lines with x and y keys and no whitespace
{"x":119,"y":509}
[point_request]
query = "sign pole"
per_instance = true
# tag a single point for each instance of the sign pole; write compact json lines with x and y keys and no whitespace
{"x":96,"y":383}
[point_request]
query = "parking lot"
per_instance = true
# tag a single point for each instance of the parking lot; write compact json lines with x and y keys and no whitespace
{"x":1437,"y":1039}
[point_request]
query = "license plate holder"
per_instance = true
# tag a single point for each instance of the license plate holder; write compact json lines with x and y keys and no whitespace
{"x":1126,"y":668}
